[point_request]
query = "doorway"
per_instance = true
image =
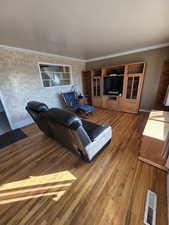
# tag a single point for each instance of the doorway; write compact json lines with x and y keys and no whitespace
{"x":4,"y":124}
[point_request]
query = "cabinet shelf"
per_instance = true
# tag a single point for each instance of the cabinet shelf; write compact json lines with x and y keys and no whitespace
{"x":97,"y":77}
{"x":135,"y":68}
{"x":134,"y":74}
{"x":114,"y":75}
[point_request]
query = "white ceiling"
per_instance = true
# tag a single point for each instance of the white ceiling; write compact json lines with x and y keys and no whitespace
{"x":84,"y":28}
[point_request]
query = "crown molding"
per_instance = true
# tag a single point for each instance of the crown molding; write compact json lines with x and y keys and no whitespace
{"x":40,"y":52}
{"x":129,"y":52}
{"x":85,"y":60}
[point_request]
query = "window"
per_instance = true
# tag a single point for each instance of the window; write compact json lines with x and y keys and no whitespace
{"x":55,"y":75}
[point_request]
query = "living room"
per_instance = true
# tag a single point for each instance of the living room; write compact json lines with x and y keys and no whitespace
{"x":84,"y":114}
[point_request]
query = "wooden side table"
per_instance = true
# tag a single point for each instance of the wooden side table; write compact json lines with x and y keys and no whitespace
{"x":155,"y":139}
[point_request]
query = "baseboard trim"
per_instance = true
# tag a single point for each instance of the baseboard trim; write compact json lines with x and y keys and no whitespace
{"x":153,"y":163}
{"x":22,"y":123}
{"x":144,"y":110}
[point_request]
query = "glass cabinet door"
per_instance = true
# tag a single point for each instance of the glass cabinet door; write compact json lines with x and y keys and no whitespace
{"x":132,"y":87}
{"x":96,"y":87}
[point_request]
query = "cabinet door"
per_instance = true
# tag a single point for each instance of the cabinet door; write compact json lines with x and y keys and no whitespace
{"x":86,"y":79}
{"x":96,"y":87}
{"x":132,"y":87}
{"x":96,"y":92}
{"x":132,"y":92}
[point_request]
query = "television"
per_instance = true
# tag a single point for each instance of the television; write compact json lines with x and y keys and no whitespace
{"x":113,"y":85}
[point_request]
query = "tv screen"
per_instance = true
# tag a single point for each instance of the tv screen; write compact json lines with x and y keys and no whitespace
{"x":113,"y":85}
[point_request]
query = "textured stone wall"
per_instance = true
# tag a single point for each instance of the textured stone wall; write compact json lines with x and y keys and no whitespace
{"x":20,"y":82}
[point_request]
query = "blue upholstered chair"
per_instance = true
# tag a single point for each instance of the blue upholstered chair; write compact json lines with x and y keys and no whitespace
{"x":71,"y":100}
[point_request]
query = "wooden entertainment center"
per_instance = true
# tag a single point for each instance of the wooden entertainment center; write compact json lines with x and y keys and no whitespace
{"x":116,"y":87}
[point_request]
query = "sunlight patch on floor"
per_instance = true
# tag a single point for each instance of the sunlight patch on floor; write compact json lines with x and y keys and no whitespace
{"x":55,"y":185}
{"x":35,"y":180}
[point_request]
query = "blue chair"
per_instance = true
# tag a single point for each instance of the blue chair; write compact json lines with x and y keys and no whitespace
{"x":71,"y":100}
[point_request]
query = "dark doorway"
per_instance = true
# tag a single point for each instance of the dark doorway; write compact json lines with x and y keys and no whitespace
{"x":4,"y":124}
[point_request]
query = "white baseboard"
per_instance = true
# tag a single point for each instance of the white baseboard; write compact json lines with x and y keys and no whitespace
{"x":22,"y":123}
{"x":144,"y":110}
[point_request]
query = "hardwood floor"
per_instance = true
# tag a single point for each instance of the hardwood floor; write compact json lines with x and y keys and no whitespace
{"x":42,"y":183}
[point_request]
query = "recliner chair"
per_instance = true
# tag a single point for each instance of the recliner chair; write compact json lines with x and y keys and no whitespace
{"x":83,"y":137}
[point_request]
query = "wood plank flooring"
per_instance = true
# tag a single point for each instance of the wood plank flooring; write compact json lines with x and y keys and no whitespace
{"x":42,"y":183}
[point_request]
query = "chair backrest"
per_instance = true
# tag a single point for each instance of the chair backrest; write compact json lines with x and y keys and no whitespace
{"x":70,"y":98}
{"x":35,"y":108}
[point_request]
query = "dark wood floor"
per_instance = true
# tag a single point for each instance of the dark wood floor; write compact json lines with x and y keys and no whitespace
{"x":42,"y":183}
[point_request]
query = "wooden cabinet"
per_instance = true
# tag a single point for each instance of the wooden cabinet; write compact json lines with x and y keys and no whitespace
{"x":124,"y":91}
{"x":155,"y":139}
{"x":132,"y":92}
{"x":96,"y":92}
{"x":110,"y":102}
{"x":87,"y":87}
{"x":97,"y":88}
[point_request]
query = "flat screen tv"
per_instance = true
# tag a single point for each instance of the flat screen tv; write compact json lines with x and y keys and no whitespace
{"x":113,"y":85}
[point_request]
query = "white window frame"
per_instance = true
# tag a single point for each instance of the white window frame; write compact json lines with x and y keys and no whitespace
{"x":53,"y":64}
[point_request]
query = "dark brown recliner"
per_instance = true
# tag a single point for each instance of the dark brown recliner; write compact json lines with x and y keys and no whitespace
{"x":83,"y":137}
